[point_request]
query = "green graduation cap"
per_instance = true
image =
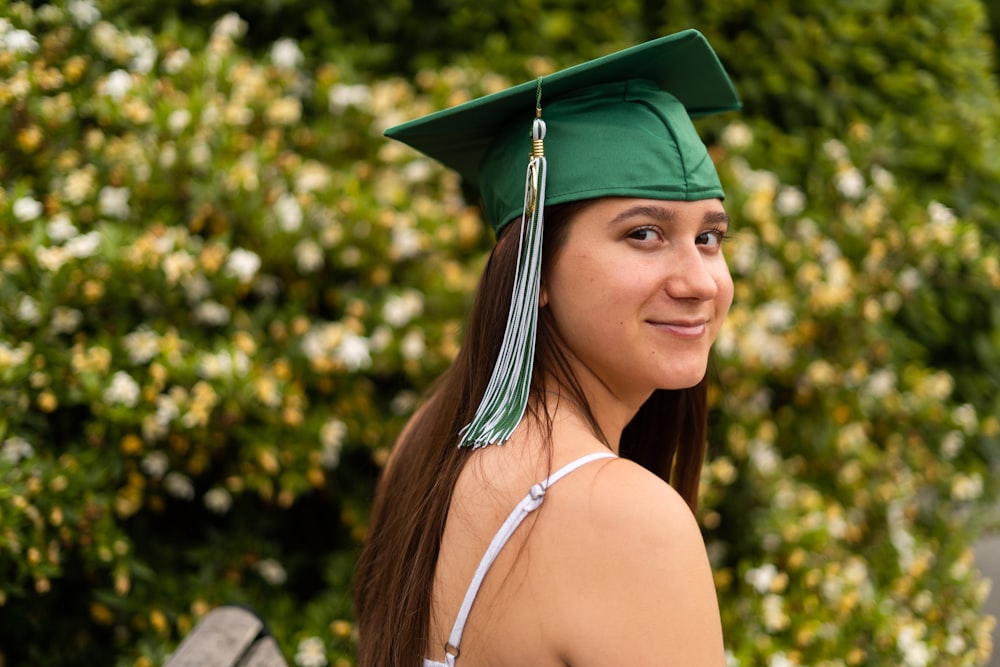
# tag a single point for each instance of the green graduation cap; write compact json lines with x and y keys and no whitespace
{"x":619,"y":125}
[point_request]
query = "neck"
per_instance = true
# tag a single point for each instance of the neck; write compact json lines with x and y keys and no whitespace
{"x":607,"y":415}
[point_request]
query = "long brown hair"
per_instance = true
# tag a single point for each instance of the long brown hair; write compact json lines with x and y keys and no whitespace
{"x":395,"y":575}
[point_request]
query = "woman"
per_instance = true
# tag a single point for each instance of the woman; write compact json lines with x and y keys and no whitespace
{"x":585,"y":356}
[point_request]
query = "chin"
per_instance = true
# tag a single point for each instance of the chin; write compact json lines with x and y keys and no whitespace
{"x":685,"y":378}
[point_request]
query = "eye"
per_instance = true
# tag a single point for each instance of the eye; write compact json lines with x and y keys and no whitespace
{"x":644,"y":234}
{"x":712,"y":238}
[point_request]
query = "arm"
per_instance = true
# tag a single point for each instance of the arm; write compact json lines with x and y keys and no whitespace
{"x":635,"y":587}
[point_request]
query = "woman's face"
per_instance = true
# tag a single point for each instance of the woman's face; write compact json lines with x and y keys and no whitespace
{"x":638,"y":291}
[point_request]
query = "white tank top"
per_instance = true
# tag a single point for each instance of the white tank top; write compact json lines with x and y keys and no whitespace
{"x":528,"y":504}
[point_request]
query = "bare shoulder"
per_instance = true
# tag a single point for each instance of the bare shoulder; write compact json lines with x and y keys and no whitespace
{"x":634,"y":584}
{"x":623,"y":491}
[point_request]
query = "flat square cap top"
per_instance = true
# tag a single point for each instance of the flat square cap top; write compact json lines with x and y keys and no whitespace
{"x":681,"y":77}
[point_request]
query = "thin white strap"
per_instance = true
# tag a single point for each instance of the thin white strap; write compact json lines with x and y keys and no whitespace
{"x":528,"y":504}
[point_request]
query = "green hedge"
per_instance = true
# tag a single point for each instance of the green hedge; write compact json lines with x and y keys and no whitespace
{"x":222,"y":292}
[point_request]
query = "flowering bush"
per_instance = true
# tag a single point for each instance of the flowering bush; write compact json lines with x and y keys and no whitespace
{"x":842,"y":501}
{"x":218,"y":297}
{"x":222,"y":292}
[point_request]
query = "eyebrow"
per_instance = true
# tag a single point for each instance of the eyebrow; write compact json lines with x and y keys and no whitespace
{"x":665,"y":214}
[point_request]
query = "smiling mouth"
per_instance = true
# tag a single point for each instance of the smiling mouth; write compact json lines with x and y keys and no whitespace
{"x":690,"y":330}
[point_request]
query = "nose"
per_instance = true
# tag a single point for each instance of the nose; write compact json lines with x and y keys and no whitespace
{"x":691,"y":275}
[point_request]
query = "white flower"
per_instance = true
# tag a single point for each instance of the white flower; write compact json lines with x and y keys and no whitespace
{"x":775,"y":618}
{"x":84,"y":12}
{"x":321,"y":339}
{"x":400,"y":309}
{"x":915,"y":652}
{"x":308,"y":256}
{"x":123,"y":390}
{"x":353,"y":352}
{"x":835,"y":149}
{"x":271,"y":571}
{"x":15,"y":448}
{"x":143,"y":52}
{"x":779,"y":660}
{"x":141,"y":345}
{"x":288,"y":212}
{"x":737,"y":136}
{"x":412,"y":346}
{"x":51,"y":259}
{"x":940,"y":214}
{"x":951,"y":444}
{"x":229,"y":26}
{"x":60,"y":229}
{"x":403,"y":402}
{"x":955,"y":645}
{"x":761,"y":577}
{"x":212,"y":313}
{"x":175,"y":61}
{"x":178,"y":120}
{"x":406,"y":242}
{"x":311,"y":653}
{"x":418,"y":171}
{"x":899,"y":536}
{"x":966,"y":487}
{"x":313,"y":176}
{"x":342,"y":96}
{"x":113,"y":202}
{"x":965,"y":417}
{"x":331,"y":438}
{"x":155,"y":426}
{"x":881,"y":383}
{"x":196,"y":288}
{"x":177,"y":265}
{"x":218,"y":500}
{"x":763,"y":457}
{"x":285,"y":53}
{"x":179,"y":486}
{"x":242,"y":264}
{"x":83,"y":246}
{"x":224,"y":364}
{"x":790,"y":201}
{"x":117,"y":84}
{"x":155,"y":464}
{"x":65,"y":320}
{"x":883,"y":178}
{"x":850,"y":183}
{"x":18,"y":41}
{"x":78,"y":185}
{"x":380,"y":338}
{"x":27,"y":209}
{"x":909,"y":279}
{"x":27,"y":310}
{"x":779,"y":315}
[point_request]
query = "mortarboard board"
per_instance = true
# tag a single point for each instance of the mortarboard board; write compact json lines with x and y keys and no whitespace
{"x":619,"y":125}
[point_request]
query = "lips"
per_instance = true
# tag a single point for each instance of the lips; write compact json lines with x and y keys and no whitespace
{"x":683,"y":328}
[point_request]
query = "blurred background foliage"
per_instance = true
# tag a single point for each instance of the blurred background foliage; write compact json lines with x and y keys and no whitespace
{"x":222,"y":293}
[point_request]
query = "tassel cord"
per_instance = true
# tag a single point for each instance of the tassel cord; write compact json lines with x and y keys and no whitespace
{"x":506,"y":397}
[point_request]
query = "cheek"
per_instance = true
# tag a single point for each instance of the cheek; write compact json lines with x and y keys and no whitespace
{"x":725,"y":286}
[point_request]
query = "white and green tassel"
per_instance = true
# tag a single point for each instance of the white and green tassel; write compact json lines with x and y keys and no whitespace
{"x":506,"y":397}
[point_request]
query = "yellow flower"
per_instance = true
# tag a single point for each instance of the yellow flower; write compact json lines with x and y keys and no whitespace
{"x":47,"y":401}
{"x":101,"y":614}
{"x":131,"y":445}
{"x":74,"y":68}
{"x":341,"y":628}
{"x":29,"y":138}
{"x":159,"y":621}
{"x":284,"y":111}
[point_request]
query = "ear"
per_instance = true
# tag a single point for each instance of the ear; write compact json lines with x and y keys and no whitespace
{"x":543,"y":296}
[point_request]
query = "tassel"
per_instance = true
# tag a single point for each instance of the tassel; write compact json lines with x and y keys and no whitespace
{"x":506,"y":397}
